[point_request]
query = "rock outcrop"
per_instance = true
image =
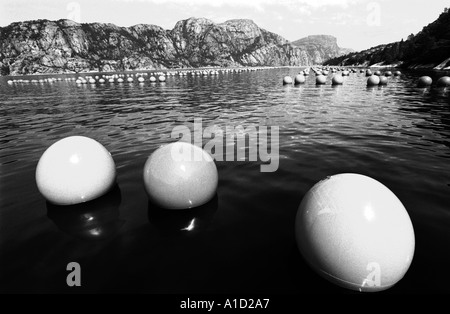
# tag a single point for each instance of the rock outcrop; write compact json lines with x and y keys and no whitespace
{"x":63,"y":46}
{"x":321,"y":47}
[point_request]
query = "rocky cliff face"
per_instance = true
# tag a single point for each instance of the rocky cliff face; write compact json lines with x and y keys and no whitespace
{"x":321,"y":47}
{"x":63,"y":46}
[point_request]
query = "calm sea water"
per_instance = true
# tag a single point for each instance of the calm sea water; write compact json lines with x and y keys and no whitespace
{"x":243,"y":240}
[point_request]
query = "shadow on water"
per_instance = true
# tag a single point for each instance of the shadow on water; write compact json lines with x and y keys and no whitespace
{"x":94,"y":220}
{"x":181,"y":222}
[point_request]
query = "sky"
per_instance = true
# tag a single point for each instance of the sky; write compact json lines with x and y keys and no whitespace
{"x":357,"y":24}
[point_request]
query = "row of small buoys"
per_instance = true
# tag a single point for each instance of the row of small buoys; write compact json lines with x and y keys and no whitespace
{"x":41,"y":80}
{"x":350,"y":228}
{"x":140,"y":77}
{"x":425,"y":81}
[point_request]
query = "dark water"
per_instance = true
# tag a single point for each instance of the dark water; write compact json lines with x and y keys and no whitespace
{"x":243,"y":240}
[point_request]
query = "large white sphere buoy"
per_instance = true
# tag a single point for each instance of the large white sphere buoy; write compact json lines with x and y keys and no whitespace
{"x":443,"y":81}
{"x":424,"y":81}
{"x":353,"y":231}
{"x":180,"y":175}
{"x":337,"y":80}
{"x":383,"y":80}
{"x":287,"y":80}
{"x":321,"y":79}
{"x":373,"y":80}
{"x":74,"y":170}
{"x":299,"y":79}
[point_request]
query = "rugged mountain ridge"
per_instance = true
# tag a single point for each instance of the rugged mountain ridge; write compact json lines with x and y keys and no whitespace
{"x":63,"y":46}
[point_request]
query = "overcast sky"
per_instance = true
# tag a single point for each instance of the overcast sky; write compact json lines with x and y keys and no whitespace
{"x":357,"y":24}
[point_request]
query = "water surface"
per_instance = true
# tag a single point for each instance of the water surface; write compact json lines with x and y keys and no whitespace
{"x":243,"y":240}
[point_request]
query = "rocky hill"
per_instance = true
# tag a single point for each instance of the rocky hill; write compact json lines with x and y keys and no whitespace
{"x":321,"y":47}
{"x":63,"y":46}
{"x":430,"y":48}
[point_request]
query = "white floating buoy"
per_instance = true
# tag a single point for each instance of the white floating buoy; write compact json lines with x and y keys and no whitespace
{"x":287,"y":80}
{"x":299,"y":79}
{"x":321,"y":79}
{"x":74,"y":170}
{"x":180,"y":175}
{"x":443,"y":81}
{"x":424,"y":81}
{"x":383,"y":80}
{"x":353,"y":231}
{"x":373,"y":80}
{"x":337,"y":80}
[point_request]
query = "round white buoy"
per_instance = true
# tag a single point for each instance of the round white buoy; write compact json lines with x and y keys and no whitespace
{"x":299,"y":79}
{"x":337,"y":80}
{"x":383,"y":80}
{"x":424,"y":81}
{"x":74,"y":170}
{"x":287,"y":80}
{"x":353,"y":231}
{"x":141,"y":79}
{"x":443,"y":81}
{"x":161,"y":78}
{"x":180,"y":175}
{"x":373,"y":80}
{"x":321,"y":79}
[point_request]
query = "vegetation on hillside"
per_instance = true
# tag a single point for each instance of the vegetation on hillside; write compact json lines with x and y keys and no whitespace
{"x":429,"y":46}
